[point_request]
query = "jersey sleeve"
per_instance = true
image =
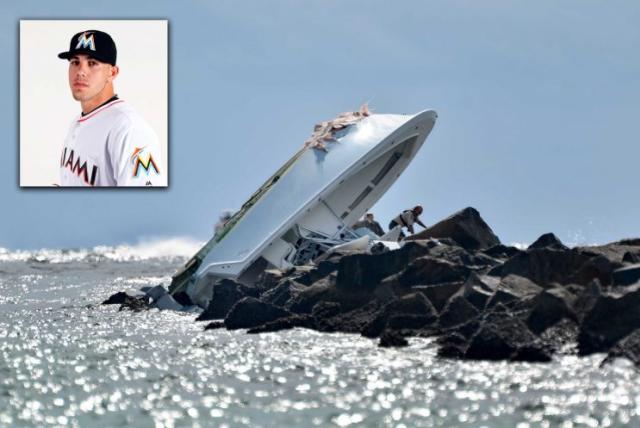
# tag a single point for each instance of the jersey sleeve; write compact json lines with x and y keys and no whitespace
{"x":135,"y":157}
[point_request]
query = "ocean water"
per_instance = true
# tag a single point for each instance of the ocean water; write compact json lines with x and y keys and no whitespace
{"x":66,"y":360}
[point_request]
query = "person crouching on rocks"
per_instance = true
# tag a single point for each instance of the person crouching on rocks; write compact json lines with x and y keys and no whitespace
{"x":406,"y":219}
{"x":370,"y":224}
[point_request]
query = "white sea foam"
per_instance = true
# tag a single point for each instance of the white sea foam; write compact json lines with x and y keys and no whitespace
{"x":520,"y":245}
{"x":143,"y":249}
{"x":578,"y":238}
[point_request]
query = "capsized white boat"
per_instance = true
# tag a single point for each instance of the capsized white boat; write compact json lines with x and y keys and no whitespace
{"x":306,"y":207}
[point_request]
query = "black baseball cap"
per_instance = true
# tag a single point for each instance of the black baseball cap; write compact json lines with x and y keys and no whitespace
{"x":96,"y":44}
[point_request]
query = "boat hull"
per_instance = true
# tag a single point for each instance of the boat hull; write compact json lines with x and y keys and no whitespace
{"x":312,"y":201}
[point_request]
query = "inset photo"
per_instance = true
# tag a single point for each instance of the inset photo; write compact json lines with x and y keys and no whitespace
{"x":94,"y":103}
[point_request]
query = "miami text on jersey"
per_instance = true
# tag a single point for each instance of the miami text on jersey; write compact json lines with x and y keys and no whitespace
{"x":146,"y":163}
{"x":78,"y":167}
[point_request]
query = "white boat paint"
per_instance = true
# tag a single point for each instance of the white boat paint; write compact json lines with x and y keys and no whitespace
{"x":307,"y":207}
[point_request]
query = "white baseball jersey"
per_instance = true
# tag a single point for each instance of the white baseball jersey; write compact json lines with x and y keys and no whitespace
{"x":111,"y":146}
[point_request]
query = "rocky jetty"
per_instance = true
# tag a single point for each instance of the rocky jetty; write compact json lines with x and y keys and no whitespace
{"x":455,"y":281}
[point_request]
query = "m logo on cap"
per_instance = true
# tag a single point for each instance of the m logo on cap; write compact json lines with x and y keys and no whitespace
{"x":86,"y":42}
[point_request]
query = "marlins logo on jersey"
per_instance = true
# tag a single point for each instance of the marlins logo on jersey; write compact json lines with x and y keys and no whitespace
{"x":85,"y":40}
{"x":140,"y":162}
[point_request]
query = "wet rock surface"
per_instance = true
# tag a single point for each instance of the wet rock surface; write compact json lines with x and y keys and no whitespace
{"x":465,"y":227}
{"x":613,"y":316}
{"x":250,"y":312}
{"x":456,"y":282}
{"x":226,"y":293}
{"x":628,"y":347}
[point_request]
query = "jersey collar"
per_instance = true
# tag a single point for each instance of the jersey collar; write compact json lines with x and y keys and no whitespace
{"x":112,"y":101}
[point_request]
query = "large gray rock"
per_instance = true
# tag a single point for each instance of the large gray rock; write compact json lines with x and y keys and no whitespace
{"x":544,"y":266}
{"x":627,"y":275}
{"x":123,"y":296}
{"x":505,"y":337}
{"x":612,"y":317}
{"x":363,"y":272}
{"x":225,"y":294}
{"x":136,"y":304}
{"x":615,"y":251}
{"x":598,"y":267}
{"x":548,"y":308}
{"x":283,"y":293}
{"x":458,"y":311}
{"x":628,"y":347}
{"x":348,"y":320}
{"x":250,"y":312}
{"x":631,"y":257}
{"x":448,"y":250}
{"x":452,"y":345}
{"x":324,"y":310}
{"x":411,"y":322}
{"x":586,"y":299}
{"x":391,"y":338}
{"x":548,"y":240}
{"x":634,"y":242}
{"x":513,"y":290}
{"x":304,"y":300}
{"x":466,"y":227}
{"x":415,"y":304}
{"x":438,"y":294}
{"x":478,"y":290}
{"x":501,"y":251}
{"x":430,"y":270}
{"x":318,"y":272}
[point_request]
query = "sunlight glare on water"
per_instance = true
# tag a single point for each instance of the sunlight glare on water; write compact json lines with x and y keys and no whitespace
{"x":66,"y":360}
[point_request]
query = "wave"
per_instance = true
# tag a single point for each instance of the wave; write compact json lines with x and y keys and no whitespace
{"x":174,"y":248}
{"x":520,"y":245}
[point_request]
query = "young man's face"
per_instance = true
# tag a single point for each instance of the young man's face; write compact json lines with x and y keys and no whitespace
{"x":89,"y":77}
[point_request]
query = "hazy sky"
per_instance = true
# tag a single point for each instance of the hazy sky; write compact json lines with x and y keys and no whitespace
{"x":538,"y":102}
